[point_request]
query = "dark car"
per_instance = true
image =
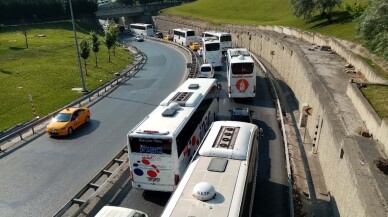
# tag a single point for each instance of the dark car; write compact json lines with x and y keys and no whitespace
{"x":241,"y":114}
{"x":139,"y":38}
{"x":158,"y":35}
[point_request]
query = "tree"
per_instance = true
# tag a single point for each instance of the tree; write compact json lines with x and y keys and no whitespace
{"x":306,"y":8}
{"x":109,"y":42}
{"x":325,"y":7}
{"x":303,"y":8}
{"x":372,"y":26}
{"x":24,"y":29}
{"x":95,"y":44}
{"x":85,"y":51}
{"x":114,"y":29}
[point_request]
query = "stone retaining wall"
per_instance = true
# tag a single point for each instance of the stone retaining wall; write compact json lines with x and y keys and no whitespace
{"x":378,"y":127}
{"x":351,"y":186}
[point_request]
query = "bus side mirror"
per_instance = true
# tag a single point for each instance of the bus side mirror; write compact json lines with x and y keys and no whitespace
{"x":219,"y":86}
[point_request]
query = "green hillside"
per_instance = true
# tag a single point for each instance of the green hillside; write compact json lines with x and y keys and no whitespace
{"x":264,"y":12}
{"x":48,"y":69}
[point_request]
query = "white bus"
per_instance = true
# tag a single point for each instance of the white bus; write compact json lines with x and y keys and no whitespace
{"x":115,"y":211}
{"x":161,"y":146}
{"x":241,"y":74}
{"x":225,"y":39}
{"x":211,"y":52}
{"x":221,"y":179}
{"x":184,"y":36}
{"x":142,"y":29}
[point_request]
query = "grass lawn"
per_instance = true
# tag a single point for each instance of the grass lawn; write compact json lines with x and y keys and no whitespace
{"x":377,"y":96}
{"x":48,"y":69}
{"x":264,"y":12}
{"x":278,"y":12}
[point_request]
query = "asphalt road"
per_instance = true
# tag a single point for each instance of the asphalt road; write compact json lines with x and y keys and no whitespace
{"x":271,"y":193}
{"x":39,"y":176}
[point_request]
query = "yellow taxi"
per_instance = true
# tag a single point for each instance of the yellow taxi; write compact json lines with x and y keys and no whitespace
{"x":67,"y":120}
{"x":168,"y":37}
{"x":194,"y":46}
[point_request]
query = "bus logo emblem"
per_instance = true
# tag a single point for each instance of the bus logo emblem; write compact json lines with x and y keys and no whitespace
{"x":242,"y":85}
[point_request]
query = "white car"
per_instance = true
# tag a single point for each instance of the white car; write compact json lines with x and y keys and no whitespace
{"x":114,"y":211}
{"x":139,"y":38}
{"x":206,"y":71}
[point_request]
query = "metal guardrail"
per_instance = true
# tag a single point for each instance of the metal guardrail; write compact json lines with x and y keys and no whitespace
{"x":107,"y":171}
{"x":30,"y":126}
{"x":289,"y":174}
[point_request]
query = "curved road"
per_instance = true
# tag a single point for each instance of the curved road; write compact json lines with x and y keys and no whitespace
{"x":40,"y":176}
{"x":271,"y":197}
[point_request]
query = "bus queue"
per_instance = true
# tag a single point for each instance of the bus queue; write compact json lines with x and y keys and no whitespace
{"x":181,"y":139}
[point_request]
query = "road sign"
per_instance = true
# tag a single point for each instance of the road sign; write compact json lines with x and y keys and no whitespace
{"x":307,"y":110}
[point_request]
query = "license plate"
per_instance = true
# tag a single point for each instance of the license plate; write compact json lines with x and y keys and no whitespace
{"x":153,"y":179}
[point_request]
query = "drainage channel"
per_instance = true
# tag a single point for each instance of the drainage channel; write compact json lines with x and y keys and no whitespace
{"x":76,"y":205}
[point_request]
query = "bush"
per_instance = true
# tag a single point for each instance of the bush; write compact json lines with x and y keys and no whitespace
{"x":355,"y":10}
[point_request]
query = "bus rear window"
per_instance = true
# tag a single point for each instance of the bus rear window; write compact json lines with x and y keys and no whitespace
{"x":150,"y":146}
{"x":242,"y":68}
{"x":226,"y":38}
{"x":206,"y":69}
{"x":212,"y":47}
{"x":190,"y":33}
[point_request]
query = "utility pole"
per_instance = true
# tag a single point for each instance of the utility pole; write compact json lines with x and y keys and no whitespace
{"x":78,"y":55}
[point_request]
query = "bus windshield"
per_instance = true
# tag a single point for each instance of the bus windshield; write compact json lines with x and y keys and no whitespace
{"x":212,"y":47}
{"x":150,"y":146}
{"x":242,"y":68}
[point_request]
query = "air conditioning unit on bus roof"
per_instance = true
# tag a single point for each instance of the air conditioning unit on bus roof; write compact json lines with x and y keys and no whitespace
{"x":184,"y":99}
{"x":239,"y":52}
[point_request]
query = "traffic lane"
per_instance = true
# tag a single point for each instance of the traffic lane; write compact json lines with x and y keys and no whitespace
{"x":43,"y":175}
{"x":123,"y":195}
{"x":271,"y":193}
{"x":150,"y":202}
{"x":271,"y":185}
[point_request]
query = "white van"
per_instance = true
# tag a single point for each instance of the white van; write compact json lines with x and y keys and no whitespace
{"x":206,"y":71}
{"x":114,"y":211}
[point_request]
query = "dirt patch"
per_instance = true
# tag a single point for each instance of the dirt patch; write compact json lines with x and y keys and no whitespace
{"x":382,"y":165}
{"x":298,"y":203}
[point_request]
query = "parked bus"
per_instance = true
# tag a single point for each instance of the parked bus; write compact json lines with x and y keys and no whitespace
{"x":225,"y":39}
{"x":221,"y":179}
{"x":211,"y":52}
{"x":184,"y":36}
{"x":161,"y":146}
{"x":241,"y":74}
{"x":142,"y":29}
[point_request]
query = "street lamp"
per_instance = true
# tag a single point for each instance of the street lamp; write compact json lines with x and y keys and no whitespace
{"x":78,"y":55}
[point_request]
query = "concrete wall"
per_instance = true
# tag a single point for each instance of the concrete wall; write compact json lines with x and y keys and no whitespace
{"x":372,"y":121}
{"x":335,"y":45}
{"x":351,"y":190}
